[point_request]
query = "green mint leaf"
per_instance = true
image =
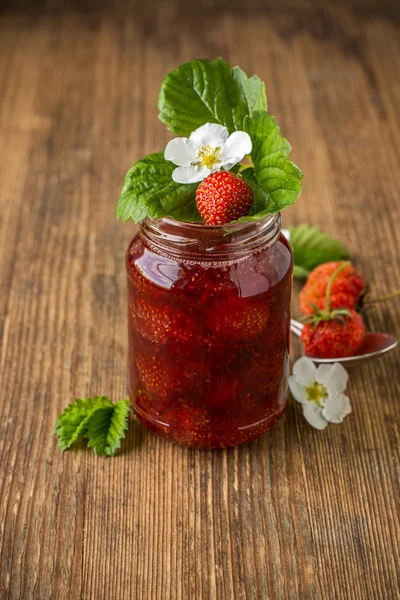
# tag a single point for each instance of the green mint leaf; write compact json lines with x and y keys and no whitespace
{"x":149,"y":190}
{"x":107,"y":427}
{"x":203,"y":91}
{"x":311,"y":248}
{"x":278,"y":177}
{"x":96,"y":419}
{"x":72,"y":423}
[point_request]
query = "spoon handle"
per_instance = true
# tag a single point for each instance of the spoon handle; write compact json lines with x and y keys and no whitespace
{"x":296,"y":327}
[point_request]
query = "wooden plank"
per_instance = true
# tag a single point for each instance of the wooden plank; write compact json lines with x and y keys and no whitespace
{"x":296,"y":514}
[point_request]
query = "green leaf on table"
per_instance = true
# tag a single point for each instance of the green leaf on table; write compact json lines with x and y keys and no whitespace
{"x":203,"y":91}
{"x":279,"y":178}
{"x":96,"y":419}
{"x":311,"y":248}
{"x":72,"y":423}
{"x":107,"y":427}
{"x":149,"y":190}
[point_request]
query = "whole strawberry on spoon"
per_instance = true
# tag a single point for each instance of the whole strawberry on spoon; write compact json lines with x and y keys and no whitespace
{"x":332,"y":332}
{"x":333,"y":329}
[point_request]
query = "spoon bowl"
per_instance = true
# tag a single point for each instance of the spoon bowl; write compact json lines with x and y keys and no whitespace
{"x":374,"y":345}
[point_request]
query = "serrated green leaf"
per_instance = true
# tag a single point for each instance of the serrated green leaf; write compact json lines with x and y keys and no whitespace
{"x":266,"y":138}
{"x":149,"y":190}
{"x":311,"y":248}
{"x":279,"y":178}
{"x":253,"y":89}
{"x":73,"y":421}
{"x":203,"y":91}
{"x":262,"y":205}
{"x":107,"y":427}
{"x":98,"y":420}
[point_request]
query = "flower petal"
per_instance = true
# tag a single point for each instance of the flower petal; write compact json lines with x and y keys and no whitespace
{"x":336,"y":407}
{"x":216,"y":167}
{"x":190,"y":174}
{"x":333,"y":377}
{"x":304,"y":370}
{"x":286,"y":233}
{"x":210,"y":134}
{"x":298,"y":391}
{"x":312,"y":413}
{"x":227,"y":166}
{"x":235,"y":148}
{"x":181,"y":151}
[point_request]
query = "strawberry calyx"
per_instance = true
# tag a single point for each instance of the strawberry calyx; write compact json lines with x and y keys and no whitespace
{"x":327,"y":314}
{"x":321,"y":315}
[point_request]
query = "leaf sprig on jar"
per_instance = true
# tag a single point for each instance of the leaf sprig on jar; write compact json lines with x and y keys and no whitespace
{"x":221,"y":114}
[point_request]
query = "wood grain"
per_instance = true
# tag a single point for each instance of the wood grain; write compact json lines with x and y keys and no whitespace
{"x":298,"y":513}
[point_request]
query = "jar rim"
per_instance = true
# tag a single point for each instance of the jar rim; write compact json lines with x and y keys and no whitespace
{"x":199,"y":242}
{"x":233,"y":226}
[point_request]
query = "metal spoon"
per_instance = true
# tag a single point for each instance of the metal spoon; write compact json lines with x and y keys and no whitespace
{"x":375,"y":344}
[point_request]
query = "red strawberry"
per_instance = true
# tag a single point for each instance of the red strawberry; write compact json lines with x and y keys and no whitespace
{"x":223,"y":197}
{"x":147,"y":404}
{"x":222,"y":392}
{"x":189,"y":417}
{"x":334,"y":338}
{"x":238,"y":322}
{"x":333,"y":333}
{"x":189,"y":425}
{"x":164,"y":374}
{"x":157,"y":374}
{"x":346,"y":291}
{"x":205,"y":283}
{"x":161,"y":324}
{"x":266,"y":369}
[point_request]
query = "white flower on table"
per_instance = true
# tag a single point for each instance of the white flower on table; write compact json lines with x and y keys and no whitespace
{"x":208,"y":149}
{"x":320,"y":390}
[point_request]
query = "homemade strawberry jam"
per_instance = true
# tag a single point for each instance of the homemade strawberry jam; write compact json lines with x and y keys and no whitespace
{"x":209,"y":317}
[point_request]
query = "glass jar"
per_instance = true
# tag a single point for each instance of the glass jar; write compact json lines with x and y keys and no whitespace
{"x":209,"y":329}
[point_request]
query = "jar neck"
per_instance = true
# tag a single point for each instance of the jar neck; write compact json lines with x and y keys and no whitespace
{"x":201,"y":243}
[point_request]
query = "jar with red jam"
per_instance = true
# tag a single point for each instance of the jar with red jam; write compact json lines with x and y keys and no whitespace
{"x":209,"y":319}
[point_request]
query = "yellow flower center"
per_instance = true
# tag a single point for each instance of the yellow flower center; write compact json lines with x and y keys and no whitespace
{"x":316,"y":392}
{"x":208,"y":156}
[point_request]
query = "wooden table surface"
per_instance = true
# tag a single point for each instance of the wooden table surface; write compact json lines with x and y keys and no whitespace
{"x":296,"y":514}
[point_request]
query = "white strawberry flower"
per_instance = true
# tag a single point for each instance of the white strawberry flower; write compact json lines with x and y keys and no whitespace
{"x":208,"y":149}
{"x":320,"y":390}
